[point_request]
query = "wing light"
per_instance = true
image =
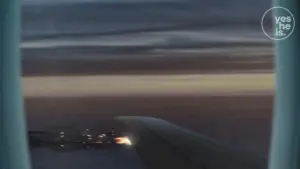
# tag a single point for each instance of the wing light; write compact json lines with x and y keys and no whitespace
{"x":123,"y":140}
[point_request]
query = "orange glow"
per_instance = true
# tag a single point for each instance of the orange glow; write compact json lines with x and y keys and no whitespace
{"x":123,"y":140}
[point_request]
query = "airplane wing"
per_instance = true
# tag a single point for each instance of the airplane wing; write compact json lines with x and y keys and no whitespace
{"x":162,"y":145}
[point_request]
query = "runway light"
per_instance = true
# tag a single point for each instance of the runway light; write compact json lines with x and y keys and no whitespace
{"x":123,"y":140}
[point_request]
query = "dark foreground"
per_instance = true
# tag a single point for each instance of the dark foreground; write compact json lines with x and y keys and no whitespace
{"x":43,"y":158}
{"x":242,"y":122}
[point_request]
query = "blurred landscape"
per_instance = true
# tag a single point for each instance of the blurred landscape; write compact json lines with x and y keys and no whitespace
{"x":204,"y":65}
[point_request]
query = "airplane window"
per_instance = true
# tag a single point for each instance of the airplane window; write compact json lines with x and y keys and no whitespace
{"x":136,"y":84}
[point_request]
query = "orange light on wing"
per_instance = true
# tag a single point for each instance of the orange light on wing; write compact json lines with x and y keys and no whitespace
{"x":123,"y":140}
